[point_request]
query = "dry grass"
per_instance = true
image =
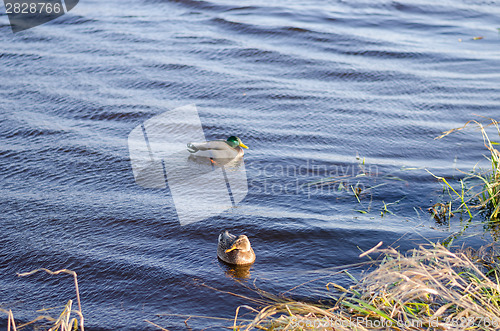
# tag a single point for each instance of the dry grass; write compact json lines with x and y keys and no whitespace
{"x":428,"y":288}
{"x":64,"y":322}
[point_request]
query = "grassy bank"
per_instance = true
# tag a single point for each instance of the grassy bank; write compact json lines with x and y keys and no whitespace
{"x":430,"y":287}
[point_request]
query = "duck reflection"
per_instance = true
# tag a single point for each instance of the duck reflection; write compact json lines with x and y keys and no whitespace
{"x":236,"y":271}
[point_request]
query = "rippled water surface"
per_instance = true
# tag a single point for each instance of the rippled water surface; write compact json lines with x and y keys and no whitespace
{"x":354,"y":92}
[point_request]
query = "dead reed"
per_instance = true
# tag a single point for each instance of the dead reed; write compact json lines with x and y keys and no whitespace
{"x":64,"y":322}
{"x":427,"y":288}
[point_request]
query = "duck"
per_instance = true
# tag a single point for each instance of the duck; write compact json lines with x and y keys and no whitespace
{"x":235,"y":250}
{"x":218,"y":149}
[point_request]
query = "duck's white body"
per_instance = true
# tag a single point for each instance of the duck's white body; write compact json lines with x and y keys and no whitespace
{"x":216,"y":149}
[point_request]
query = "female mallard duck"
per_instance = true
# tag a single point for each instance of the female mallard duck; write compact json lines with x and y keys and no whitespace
{"x":235,"y":250}
{"x":218,"y":149}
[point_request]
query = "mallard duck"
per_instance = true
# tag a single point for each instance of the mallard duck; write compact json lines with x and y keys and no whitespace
{"x":235,"y":250}
{"x":218,"y":149}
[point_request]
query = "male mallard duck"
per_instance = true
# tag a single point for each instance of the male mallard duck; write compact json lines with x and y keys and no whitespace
{"x":218,"y":149}
{"x":235,"y":250}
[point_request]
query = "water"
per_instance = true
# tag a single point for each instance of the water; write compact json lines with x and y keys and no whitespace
{"x":312,"y":88}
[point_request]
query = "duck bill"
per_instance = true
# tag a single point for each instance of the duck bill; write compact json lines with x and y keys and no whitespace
{"x":230,"y":249}
{"x":243,"y":145}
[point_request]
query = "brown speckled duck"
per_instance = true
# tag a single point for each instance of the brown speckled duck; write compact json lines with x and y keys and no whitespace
{"x":235,"y":250}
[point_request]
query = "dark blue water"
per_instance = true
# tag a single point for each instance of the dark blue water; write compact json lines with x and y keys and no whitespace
{"x":351,"y":91}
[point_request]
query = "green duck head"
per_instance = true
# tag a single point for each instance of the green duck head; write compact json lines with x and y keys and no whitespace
{"x":241,"y":244}
{"x":234,"y":142}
